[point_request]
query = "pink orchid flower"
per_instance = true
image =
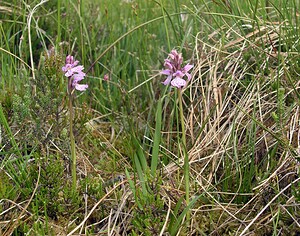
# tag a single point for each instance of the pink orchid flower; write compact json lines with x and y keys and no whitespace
{"x":74,"y":74}
{"x":174,"y":71}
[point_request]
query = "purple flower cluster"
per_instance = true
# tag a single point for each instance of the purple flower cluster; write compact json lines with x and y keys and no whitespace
{"x":74,"y":73}
{"x":174,"y":71}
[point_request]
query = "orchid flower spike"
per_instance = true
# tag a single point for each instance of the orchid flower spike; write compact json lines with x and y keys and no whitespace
{"x":74,"y":73}
{"x":174,"y":71}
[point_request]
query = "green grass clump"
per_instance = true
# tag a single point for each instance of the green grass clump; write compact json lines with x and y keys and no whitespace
{"x":226,"y":162}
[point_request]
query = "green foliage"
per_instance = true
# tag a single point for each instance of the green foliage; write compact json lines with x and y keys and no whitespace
{"x":178,"y":215}
{"x":150,"y":213}
{"x":51,"y":91}
{"x":21,"y":106}
{"x":51,"y":196}
{"x":5,"y":188}
{"x":240,"y":113}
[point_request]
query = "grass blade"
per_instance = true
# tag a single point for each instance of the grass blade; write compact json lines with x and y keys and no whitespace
{"x":157,"y":137}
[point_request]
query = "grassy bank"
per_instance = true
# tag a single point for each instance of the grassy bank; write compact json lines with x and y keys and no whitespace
{"x":217,"y":157}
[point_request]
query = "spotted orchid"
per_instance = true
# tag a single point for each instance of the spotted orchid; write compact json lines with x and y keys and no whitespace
{"x":174,"y":71}
{"x":74,"y":73}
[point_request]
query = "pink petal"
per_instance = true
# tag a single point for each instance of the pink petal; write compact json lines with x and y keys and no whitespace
{"x":179,"y":59}
{"x":80,"y":73}
{"x":75,"y":63}
{"x":168,"y":80}
{"x":81,"y":87}
{"x":178,"y":82}
{"x":187,"y":67}
{"x":168,"y":64}
{"x":69,"y":59}
{"x":64,"y":69}
{"x":178,"y":73}
{"x":106,"y":77}
{"x":77,"y":78}
{"x":165,"y":72}
{"x":188,"y":76}
{"x":77,"y":69}
{"x":173,"y":54}
{"x":69,"y":73}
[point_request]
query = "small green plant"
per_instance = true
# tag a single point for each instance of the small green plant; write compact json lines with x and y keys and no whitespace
{"x":175,"y":73}
{"x":74,"y":74}
{"x":150,"y":214}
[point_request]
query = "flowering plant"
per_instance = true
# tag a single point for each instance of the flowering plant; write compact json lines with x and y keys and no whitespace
{"x":75,"y":74}
{"x":175,"y":71}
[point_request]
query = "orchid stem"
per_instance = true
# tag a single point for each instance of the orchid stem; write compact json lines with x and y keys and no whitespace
{"x":186,"y":157}
{"x":73,"y":151}
{"x":181,"y":117}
